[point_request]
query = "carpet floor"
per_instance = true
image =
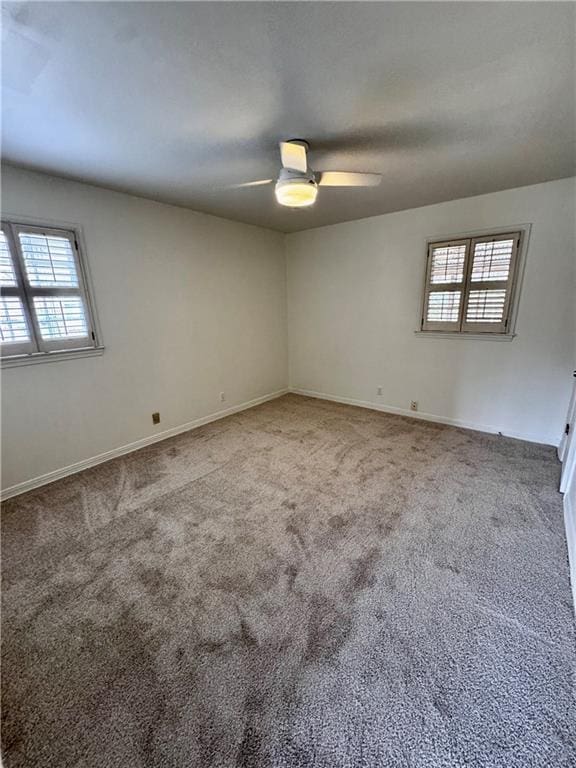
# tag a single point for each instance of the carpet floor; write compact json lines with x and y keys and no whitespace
{"x":301,"y":585}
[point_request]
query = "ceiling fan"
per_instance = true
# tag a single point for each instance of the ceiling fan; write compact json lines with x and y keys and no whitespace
{"x":297,"y":185}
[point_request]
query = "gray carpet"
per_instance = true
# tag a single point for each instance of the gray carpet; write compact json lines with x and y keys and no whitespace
{"x":302,"y":585}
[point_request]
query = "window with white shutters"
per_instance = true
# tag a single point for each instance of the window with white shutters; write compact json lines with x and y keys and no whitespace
{"x":470,"y":284}
{"x":45,"y":307}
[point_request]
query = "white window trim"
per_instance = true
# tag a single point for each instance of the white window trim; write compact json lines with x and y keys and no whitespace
{"x":510,"y":333}
{"x":22,"y":356}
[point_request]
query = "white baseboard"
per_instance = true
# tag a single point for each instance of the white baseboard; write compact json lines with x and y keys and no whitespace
{"x":421,"y":415}
{"x":72,"y":469}
{"x":570,"y":523}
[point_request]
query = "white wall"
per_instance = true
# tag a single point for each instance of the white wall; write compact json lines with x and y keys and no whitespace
{"x":354,"y":293}
{"x":189,"y":305}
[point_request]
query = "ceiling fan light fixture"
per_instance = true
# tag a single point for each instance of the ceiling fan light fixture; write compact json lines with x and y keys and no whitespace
{"x":296,"y":193}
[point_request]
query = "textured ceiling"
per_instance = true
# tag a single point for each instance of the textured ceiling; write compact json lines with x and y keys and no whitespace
{"x":179,"y":101}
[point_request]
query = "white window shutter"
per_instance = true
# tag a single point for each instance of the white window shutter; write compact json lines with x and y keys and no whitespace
{"x":55,"y":287}
{"x":16,"y":334}
{"x":490,"y":282}
{"x":445,"y":280}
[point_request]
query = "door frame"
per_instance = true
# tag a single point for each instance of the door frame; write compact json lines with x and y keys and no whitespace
{"x":567,"y":447}
{"x":567,"y":455}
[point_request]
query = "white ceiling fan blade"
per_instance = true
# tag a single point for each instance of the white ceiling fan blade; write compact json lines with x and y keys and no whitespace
{"x":258,"y":183}
{"x":344,"y":179}
{"x":293,"y":155}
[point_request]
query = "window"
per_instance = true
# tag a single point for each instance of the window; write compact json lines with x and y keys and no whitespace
{"x":45,"y":308}
{"x":470,"y":284}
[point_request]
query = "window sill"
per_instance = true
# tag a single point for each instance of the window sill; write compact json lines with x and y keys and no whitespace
{"x":50,"y":357}
{"x":468,"y":336}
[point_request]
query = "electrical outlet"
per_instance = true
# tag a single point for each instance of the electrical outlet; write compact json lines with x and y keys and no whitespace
{"x":156,"y":418}
{"x":413,"y":405}
{"x":222,"y":397}
{"x":380,"y":391}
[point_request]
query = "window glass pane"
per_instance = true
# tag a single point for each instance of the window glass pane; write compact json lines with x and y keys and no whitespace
{"x":61,"y":318}
{"x":49,"y":260}
{"x":486,"y":306}
{"x":13,"y":325}
{"x":448,"y":264}
{"x":443,"y":307}
{"x":492,"y":260}
{"x":7,"y":274}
